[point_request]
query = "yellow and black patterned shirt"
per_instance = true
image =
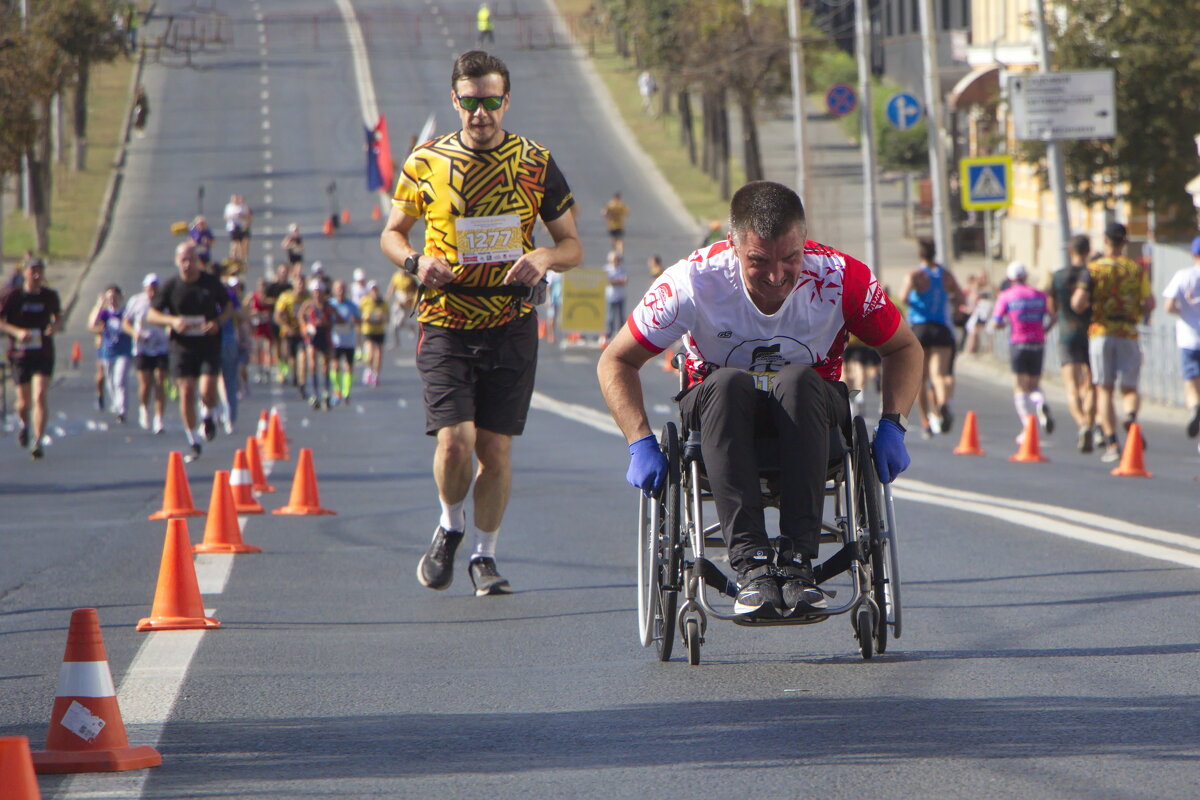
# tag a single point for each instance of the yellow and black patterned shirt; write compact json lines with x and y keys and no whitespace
{"x":502,"y":192}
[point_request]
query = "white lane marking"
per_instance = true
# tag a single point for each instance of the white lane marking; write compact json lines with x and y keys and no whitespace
{"x":212,"y":571}
{"x":266,"y":110}
{"x":1082,"y":526}
{"x":264,"y":80}
{"x":268,"y":213}
{"x":267,"y":156}
{"x":267,"y":184}
{"x":268,"y":198}
{"x":266,"y":124}
{"x":265,"y":94}
{"x":362,"y":66}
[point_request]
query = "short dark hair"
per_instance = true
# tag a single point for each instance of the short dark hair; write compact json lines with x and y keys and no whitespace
{"x":766,"y":209}
{"x":1081,"y":245}
{"x":475,"y":64}
{"x":926,"y":249}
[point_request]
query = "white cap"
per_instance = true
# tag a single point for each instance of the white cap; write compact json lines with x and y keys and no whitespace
{"x":318,"y":266}
{"x":359,"y":274}
{"x":315,"y":284}
{"x":1017,"y":271}
{"x":150,"y":279}
{"x":294,"y":228}
{"x":233,"y":280}
{"x":372,"y":285}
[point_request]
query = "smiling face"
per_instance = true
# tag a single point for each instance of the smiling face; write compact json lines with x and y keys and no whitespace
{"x":770,"y":267}
{"x":481,"y":128}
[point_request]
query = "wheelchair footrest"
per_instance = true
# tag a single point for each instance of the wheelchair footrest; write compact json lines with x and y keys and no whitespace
{"x":716,"y":578}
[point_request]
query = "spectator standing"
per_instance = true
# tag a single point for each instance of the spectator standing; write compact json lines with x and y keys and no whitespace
{"x":614,"y":295}
{"x":1118,"y":292}
{"x":1183,"y":298}
{"x":1027,"y":313}
{"x":1073,"y":341}
{"x":647,"y":88}
{"x":615,"y":211}
{"x":116,"y":346}
{"x":484,"y":26}
{"x":150,"y":346}
{"x":30,"y":316}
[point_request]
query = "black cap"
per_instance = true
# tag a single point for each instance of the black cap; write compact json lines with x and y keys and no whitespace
{"x":1116,"y":232}
{"x":34,"y":262}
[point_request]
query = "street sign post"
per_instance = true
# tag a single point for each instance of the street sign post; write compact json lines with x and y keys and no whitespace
{"x":841,"y":99}
{"x":903,"y":111}
{"x":1050,"y":106}
{"x":986,"y":182}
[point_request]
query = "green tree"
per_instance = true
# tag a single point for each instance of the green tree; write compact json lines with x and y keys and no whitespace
{"x":1152,"y":48}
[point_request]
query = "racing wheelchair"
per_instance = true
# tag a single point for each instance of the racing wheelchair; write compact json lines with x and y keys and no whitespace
{"x":673,"y":540}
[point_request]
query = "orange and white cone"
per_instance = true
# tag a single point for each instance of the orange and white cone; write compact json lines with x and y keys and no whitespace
{"x":86,"y":731}
{"x":241,"y":483}
{"x":261,"y":431}
{"x":305,"y":499}
{"x":257,"y":475}
{"x":177,"y":604}
{"x":17,"y":779}
{"x":1030,"y":450}
{"x":222,"y":534}
{"x":177,"y":494}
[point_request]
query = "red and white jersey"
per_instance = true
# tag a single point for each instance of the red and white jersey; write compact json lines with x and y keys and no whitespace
{"x":703,"y":301}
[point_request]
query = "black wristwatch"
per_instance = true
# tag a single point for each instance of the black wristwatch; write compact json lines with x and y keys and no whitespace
{"x":412,"y":263}
{"x":899,"y":419}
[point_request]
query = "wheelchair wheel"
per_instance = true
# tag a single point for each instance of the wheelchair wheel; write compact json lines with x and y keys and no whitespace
{"x":670,"y":545}
{"x":692,"y":637}
{"x":865,"y":628}
{"x":870,"y":520}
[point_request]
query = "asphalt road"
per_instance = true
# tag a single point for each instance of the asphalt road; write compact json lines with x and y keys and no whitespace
{"x":1044,"y":654}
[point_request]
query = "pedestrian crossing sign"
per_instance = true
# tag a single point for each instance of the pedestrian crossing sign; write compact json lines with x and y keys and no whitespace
{"x":986,"y":182}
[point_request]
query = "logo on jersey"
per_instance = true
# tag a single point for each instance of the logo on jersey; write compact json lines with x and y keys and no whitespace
{"x":874,"y":299}
{"x":659,"y":307}
{"x":724,"y":334}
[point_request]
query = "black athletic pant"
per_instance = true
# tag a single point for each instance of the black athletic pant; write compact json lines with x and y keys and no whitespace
{"x":799,"y":411}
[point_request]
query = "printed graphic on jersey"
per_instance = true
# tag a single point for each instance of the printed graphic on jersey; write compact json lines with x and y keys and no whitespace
{"x":660,"y":310}
{"x":766,"y":357}
{"x":444,"y":181}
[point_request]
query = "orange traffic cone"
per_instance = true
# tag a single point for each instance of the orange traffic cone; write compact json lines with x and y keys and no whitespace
{"x":1133,"y":463}
{"x":76,"y":355}
{"x":1030,"y":448}
{"x":327,"y":228}
{"x":263,"y":424}
{"x":667,"y":366}
{"x":375,"y":211}
{"x":305,"y":497}
{"x":274,"y":448}
{"x":86,"y":732}
{"x":968,"y":443}
{"x":241,"y":482}
{"x":257,"y":477}
{"x":221,"y":532}
{"x":177,"y":495}
{"x":177,"y":605}
{"x":541,"y":329}
{"x":16,"y":765}
{"x":277,"y":420}
{"x":345,"y":216}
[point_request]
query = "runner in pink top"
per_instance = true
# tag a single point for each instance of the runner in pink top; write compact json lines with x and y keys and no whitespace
{"x":1029,"y":318}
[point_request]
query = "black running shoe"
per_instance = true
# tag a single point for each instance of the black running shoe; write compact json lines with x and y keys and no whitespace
{"x":1193,"y":427}
{"x":37,"y":452}
{"x":193,"y":454}
{"x":1045,"y":418}
{"x":799,"y":588}
{"x":436,"y":569}
{"x":100,"y":401}
{"x":947,"y":417}
{"x":758,"y":589}
{"x":486,"y":579}
{"x":23,"y":436}
{"x":210,"y":429}
{"x":315,"y":402}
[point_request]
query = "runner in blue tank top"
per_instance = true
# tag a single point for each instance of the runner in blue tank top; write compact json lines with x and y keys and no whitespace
{"x":932,"y":293}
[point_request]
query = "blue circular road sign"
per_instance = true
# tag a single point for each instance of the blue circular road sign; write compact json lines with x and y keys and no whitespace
{"x":903,"y":110}
{"x":841,"y":99}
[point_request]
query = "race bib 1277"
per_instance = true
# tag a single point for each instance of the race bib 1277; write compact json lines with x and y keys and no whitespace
{"x":488,"y":240}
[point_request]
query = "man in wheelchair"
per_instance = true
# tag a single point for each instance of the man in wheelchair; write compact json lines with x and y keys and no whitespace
{"x":763,"y":317}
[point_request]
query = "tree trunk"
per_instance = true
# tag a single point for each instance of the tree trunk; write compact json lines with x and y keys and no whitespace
{"x":707,"y":139}
{"x":687,"y":133}
{"x":39,"y":180}
{"x":3,"y":178}
{"x":751,"y":154}
{"x":79,"y":114}
{"x":721,"y":121}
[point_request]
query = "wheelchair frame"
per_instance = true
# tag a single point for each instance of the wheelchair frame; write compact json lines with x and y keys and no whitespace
{"x":672,"y":538}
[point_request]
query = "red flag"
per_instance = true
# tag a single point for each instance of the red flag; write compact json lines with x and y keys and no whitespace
{"x":384,"y":154}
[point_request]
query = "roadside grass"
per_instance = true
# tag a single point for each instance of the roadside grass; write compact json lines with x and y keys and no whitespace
{"x":76,"y":196}
{"x":660,"y":138}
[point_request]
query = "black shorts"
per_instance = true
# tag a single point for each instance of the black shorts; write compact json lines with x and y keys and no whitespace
{"x":200,"y":356}
{"x":1073,"y":350}
{"x":144,"y":363}
{"x":1026,"y":359}
{"x":345,"y":354}
{"x":482,"y":376}
{"x":375,"y":338}
{"x":25,"y":367}
{"x":617,"y":233}
{"x":859,"y":354}
{"x":320,"y":340}
{"x":295,"y":257}
{"x":294,"y":343}
{"x":933,"y":334}
{"x":237,"y":235}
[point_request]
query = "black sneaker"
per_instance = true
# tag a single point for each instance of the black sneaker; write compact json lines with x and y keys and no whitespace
{"x":1046,"y":418}
{"x":436,"y":569}
{"x":947,"y":418}
{"x":193,"y":455}
{"x":758,"y":590}
{"x":315,"y":402}
{"x":799,"y":590}
{"x":37,"y":452}
{"x":100,"y":401}
{"x":1085,"y":440}
{"x":1193,"y":427}
{"x":210,"y":429}
{"x":23,"y":436}
{"x":485,"y":579}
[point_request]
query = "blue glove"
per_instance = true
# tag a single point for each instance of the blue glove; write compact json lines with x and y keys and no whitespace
{"x":891,"y":458}
{"x":647,"y":465}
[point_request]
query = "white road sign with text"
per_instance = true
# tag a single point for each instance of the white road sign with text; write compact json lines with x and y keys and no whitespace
{"x":1063,"y":105}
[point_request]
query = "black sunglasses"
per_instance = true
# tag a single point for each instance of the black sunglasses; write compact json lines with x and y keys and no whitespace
{"x":472,"y":103}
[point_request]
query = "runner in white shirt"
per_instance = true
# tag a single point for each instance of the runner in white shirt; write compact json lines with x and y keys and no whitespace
{"x":151,"y":344}
{"x":1183,"y":298}
{"x":764,"y":317}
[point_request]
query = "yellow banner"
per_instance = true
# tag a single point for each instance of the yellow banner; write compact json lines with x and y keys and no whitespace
{"x":583,"y":308}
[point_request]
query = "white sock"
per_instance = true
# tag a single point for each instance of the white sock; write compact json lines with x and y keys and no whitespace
{"x":1021,"y":401}
{"x":485,"y":544}
{"x":191,"y":435}
{"x":454,"y":517}
{"x":1037,"y":398}
{"x":206,"y":412}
